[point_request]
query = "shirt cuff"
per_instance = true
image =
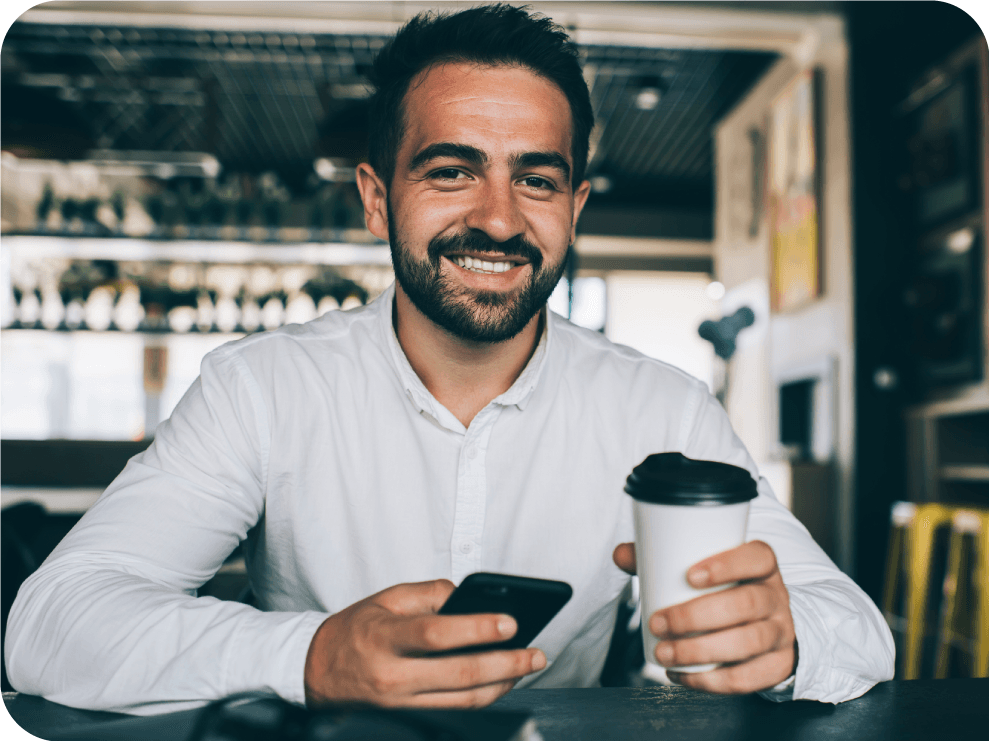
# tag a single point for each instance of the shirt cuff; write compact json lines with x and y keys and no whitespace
{"x":783,"y":692}
{"x":296,"y":661}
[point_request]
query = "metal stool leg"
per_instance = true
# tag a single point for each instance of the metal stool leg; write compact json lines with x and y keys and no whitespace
{"x":965,"y":523}
{"x":949,"y":622}
{"x":919,"y":546}
{"x":901,"y":517}
{"x":981,"y":586}
{"x":894,"y":565}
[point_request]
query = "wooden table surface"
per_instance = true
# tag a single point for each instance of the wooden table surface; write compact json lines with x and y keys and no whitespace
{"x":898,"y":711}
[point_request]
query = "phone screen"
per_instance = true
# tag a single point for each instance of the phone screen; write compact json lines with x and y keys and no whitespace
{"x":532,"y":602}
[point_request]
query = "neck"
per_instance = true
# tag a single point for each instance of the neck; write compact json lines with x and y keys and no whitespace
{"x":463,"y":376}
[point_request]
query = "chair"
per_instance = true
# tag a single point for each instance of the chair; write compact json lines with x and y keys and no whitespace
{"x":911,"y":553}
{"x":966,"y":600}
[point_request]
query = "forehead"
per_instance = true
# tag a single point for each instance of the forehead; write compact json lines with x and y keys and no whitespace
{"x":501,"y":107}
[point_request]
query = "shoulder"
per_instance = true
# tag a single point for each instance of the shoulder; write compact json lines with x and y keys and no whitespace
{"x":336,"y":345}
{"x":334,"y":332}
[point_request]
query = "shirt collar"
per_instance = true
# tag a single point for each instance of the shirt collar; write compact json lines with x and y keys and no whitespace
{"x":518,"y":393}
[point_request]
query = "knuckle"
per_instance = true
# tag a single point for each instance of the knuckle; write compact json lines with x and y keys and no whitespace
{"x":758,"y":639}
{"x":431,"y":633}
{"x":748,"y":601}
{"x":679,"y":653}
{"x":733,"y":682}
{"x":717,"y":568}
{"x":384,"y":682}
{"x":485,"y":629}
{"x":468,"y":674}
{"x":678,"y":619}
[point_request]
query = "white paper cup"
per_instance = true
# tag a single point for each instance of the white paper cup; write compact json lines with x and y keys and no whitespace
{"x":684,"y":512}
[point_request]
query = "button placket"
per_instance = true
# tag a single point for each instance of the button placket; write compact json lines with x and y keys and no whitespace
{"x":468,"y":522}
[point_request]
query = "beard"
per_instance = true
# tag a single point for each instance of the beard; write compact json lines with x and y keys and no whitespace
{"x":473,"y":315}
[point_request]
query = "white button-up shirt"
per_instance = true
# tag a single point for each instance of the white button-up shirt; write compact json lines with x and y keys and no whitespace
{"x":320,"y":448}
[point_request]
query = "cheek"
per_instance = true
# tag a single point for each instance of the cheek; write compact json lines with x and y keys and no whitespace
{"x":551,"y":225}
{"x":427,"y":217}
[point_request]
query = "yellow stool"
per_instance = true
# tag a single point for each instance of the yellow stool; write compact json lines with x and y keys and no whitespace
{"x":911,"y":544}
{"x":966,"y":523}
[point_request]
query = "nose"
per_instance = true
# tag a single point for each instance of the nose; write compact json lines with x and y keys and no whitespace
{"x":496,"y":212}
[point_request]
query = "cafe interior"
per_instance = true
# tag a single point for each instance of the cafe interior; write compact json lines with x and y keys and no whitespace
{"x":788,"y":201}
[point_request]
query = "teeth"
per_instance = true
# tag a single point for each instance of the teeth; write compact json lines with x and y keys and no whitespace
{"x":482,"y":266}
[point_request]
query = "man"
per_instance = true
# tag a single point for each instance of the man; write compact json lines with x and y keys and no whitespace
{"x":371,"y":459}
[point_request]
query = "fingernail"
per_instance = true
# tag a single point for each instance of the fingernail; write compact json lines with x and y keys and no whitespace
{"x":658,"y":625}
{"x":506,"y":625}
{"x":675,"y":677}
{"x":538,"y":661}
{"x":700,"y":577}
{"x":664,"y":653}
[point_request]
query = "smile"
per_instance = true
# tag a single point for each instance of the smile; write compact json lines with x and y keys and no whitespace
{"x":482,"y":266}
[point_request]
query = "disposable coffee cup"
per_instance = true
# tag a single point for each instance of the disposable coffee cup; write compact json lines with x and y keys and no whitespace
{"x":685,"y":510}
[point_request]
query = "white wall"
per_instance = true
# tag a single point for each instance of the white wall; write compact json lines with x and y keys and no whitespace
{"x":658,"y":314}
{"x":819,"y":334}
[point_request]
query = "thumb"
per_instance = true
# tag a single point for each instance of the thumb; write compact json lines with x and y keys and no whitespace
{"x":419,"y":598}
{"x":624,"y":557}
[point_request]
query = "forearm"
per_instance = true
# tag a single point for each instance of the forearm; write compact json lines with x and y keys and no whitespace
{"x":98,"y":635}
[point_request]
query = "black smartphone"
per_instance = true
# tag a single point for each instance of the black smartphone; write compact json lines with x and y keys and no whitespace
{"x":532,"y":602}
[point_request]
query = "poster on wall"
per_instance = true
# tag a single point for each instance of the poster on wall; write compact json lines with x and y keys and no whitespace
{"x":793,"y":198}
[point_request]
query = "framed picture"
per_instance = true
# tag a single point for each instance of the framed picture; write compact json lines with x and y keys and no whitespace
{"x":793,"y":203}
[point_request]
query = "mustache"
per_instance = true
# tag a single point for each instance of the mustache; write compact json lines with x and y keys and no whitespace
{"x":474,"y":241}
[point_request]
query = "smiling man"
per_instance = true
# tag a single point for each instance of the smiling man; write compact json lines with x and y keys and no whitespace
{"x":371,"y":459}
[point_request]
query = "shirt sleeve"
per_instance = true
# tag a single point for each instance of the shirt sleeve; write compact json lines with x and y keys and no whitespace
{"x":111,"y":620}
{"x":845,"y":644}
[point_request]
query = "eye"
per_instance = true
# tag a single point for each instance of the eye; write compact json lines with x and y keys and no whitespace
{"x":447,"y":173}
{"x":538,"y":183}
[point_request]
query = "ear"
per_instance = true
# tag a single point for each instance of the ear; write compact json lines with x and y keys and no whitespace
{"x":579,"y":199}
{"x":374,"y":196}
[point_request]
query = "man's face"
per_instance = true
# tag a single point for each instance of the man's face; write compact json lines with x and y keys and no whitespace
{"x":480,"y":211}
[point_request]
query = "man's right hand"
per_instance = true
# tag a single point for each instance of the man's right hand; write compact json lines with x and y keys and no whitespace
{"x":377,"y":650}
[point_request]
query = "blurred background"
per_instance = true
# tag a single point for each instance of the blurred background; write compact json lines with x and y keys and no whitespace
{"x":788,"y":201}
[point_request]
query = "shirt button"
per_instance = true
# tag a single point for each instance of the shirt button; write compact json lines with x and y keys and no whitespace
{"x":466,"y":547}
{"x":472,"y":452}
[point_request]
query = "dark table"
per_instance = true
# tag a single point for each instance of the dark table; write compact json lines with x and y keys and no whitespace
{"x":900,"y":711}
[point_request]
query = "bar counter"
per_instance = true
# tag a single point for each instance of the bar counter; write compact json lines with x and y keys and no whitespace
{"x":898,"y":710}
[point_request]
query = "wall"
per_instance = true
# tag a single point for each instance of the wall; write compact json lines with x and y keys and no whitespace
{"x":817,"y":337}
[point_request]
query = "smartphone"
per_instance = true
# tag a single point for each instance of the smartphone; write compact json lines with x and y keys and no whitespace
{"x":532,"y":602}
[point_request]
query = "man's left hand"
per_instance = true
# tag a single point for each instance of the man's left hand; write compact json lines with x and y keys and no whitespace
{"x":747,"y":628}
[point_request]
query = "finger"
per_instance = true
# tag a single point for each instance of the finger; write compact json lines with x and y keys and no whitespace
{"x":754,"y":560}
{"x":745,"y":603}
{"x":734,"y":645}
{"x":454,"y":673}
{"x":416,"y":598}
{"x":432,"y":633}
{"x":477,"y":697}
{"x":760,"y":673}
{"x":624,"y":557}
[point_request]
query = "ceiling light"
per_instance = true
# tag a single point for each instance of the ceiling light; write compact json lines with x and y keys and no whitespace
{"x":335,"y":171}
{"x":647,"y":99}
{"x":961,"y":241}
{"x":601,"y":184}
{"x":649,"y":91}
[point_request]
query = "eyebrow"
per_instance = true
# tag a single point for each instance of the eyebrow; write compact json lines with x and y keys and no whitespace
{"x":465,"y":152}
{"x":542,"y":159}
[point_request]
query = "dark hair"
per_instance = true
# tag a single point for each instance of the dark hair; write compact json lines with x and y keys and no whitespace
{"x":491,"y":34}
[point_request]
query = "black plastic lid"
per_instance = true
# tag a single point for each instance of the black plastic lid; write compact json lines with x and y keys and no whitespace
{"x":672,"y":478}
